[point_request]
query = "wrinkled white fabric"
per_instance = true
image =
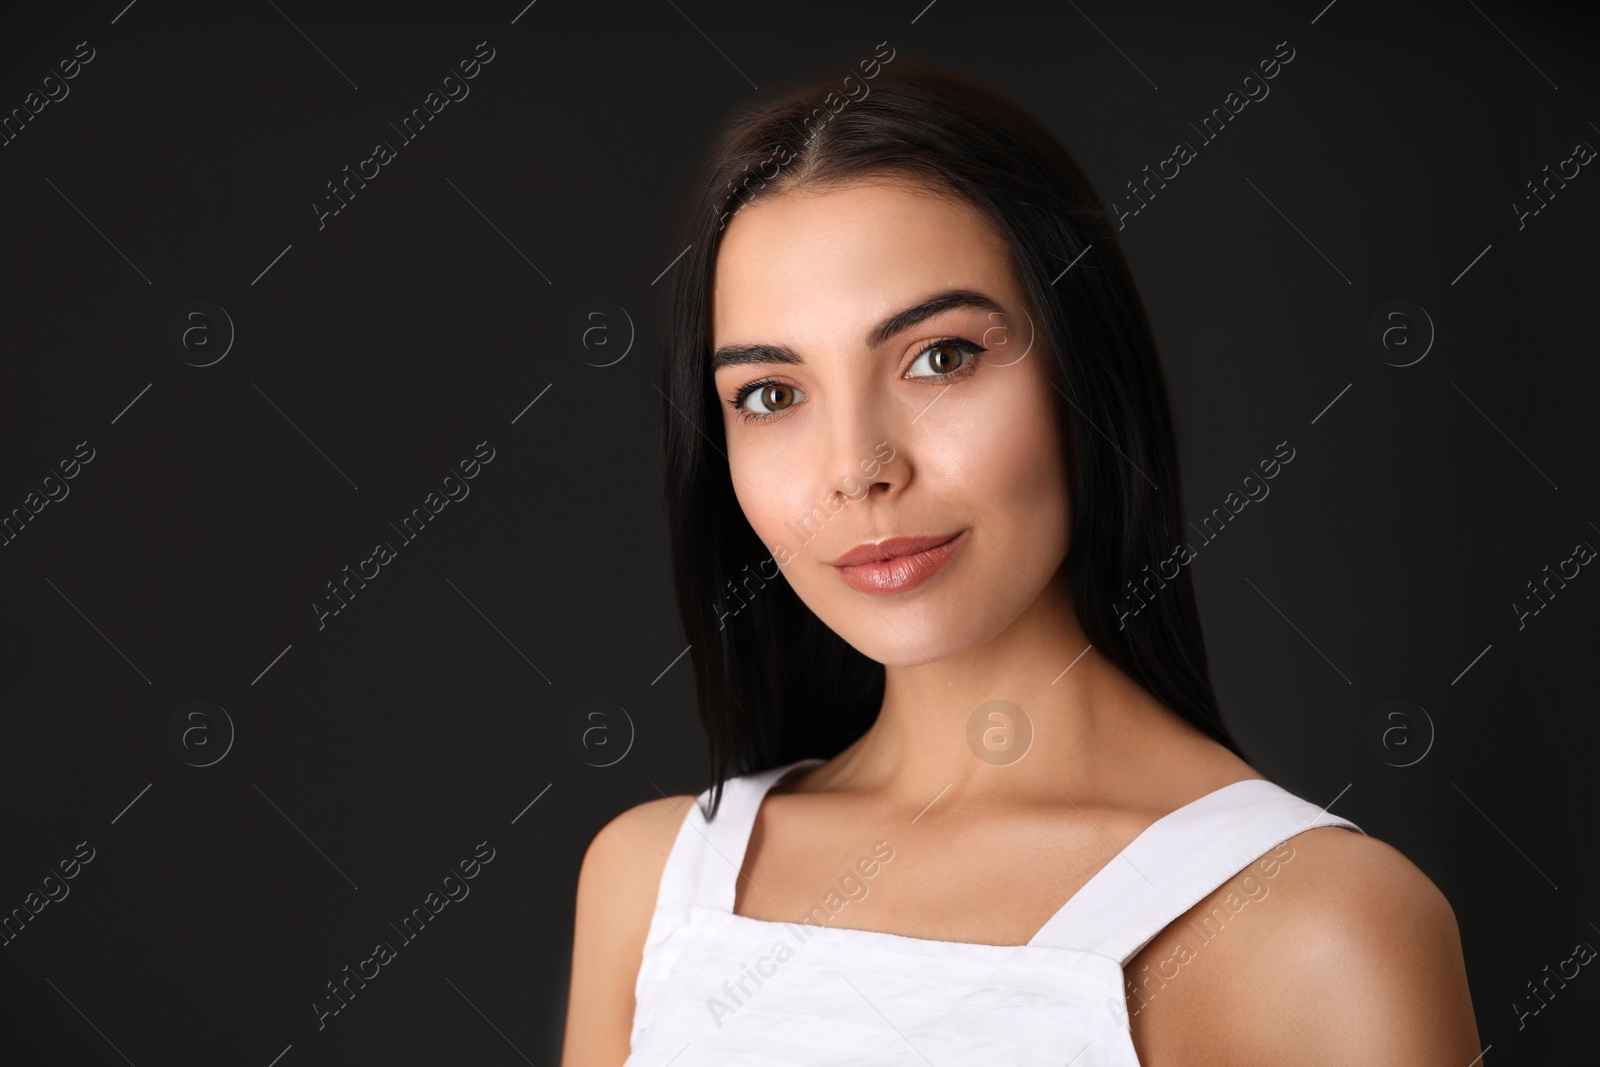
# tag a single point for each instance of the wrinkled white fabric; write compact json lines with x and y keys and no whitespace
{"x":814,"y":994}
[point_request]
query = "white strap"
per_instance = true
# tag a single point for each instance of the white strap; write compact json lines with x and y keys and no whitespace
{"x":706,"y":858}
{"x":1177,"y":862}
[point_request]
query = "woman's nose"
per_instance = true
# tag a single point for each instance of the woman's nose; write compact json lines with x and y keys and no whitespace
{"x":866,"y":463}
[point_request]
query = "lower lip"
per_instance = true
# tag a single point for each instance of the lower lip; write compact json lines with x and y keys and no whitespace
{"x":903,"y":572}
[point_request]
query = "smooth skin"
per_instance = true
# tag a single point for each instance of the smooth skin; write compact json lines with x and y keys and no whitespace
{"x":1346,"y":955}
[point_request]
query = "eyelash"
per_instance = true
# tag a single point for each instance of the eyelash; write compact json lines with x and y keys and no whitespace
{"x":970,"y":366}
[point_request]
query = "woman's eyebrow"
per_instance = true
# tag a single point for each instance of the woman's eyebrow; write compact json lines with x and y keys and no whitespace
{"x":739,"y":354}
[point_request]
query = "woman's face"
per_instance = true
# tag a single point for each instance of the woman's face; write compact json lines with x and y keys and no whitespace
{"x":855,"y":428}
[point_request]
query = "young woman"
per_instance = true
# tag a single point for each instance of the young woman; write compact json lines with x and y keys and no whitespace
{"x":973,"y":801}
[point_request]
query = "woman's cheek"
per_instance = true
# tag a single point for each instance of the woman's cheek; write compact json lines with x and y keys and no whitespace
{"x":767,"y":490}
{"x":982,"y":440}
{"x":1021,"y":456}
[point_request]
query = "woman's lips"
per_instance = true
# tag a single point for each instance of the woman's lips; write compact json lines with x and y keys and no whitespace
{"x":902,"y":572}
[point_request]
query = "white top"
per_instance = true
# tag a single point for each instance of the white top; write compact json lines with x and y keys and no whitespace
{"x":717,"y":988}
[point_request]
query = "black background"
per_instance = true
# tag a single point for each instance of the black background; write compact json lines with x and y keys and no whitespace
{"x":373,"y":354}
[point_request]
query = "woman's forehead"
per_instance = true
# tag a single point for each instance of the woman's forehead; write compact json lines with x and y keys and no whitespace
{"x":847,"y":253}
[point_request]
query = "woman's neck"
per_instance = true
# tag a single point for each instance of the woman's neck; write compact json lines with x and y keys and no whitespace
{"x":1034,"y":710}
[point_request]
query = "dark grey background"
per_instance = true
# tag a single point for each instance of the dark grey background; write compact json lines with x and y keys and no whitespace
{"x":380,"y":350}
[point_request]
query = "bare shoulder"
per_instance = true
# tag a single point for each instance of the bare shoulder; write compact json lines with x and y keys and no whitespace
{"x":1332,"y":947}
{"x":624,"y":860}
{"x":621,"y":873}
{"x":616,"y":898}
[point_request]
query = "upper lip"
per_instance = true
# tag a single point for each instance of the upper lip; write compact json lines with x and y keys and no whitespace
{"x":892,"y":548}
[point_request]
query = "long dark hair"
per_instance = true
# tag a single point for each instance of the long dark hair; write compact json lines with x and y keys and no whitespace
{"x":774,"y":683}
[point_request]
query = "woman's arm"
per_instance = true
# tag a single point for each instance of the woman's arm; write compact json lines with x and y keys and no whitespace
{"x":616,"y":898}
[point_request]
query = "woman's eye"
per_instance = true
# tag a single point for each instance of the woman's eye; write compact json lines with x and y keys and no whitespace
{"x":952,"y":357}
{"x":944,"y":357}
{"x":769,"y":398}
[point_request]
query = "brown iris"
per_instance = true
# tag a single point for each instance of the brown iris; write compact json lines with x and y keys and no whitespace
{"x":776,"y":396}
{"x":954,"y":358}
